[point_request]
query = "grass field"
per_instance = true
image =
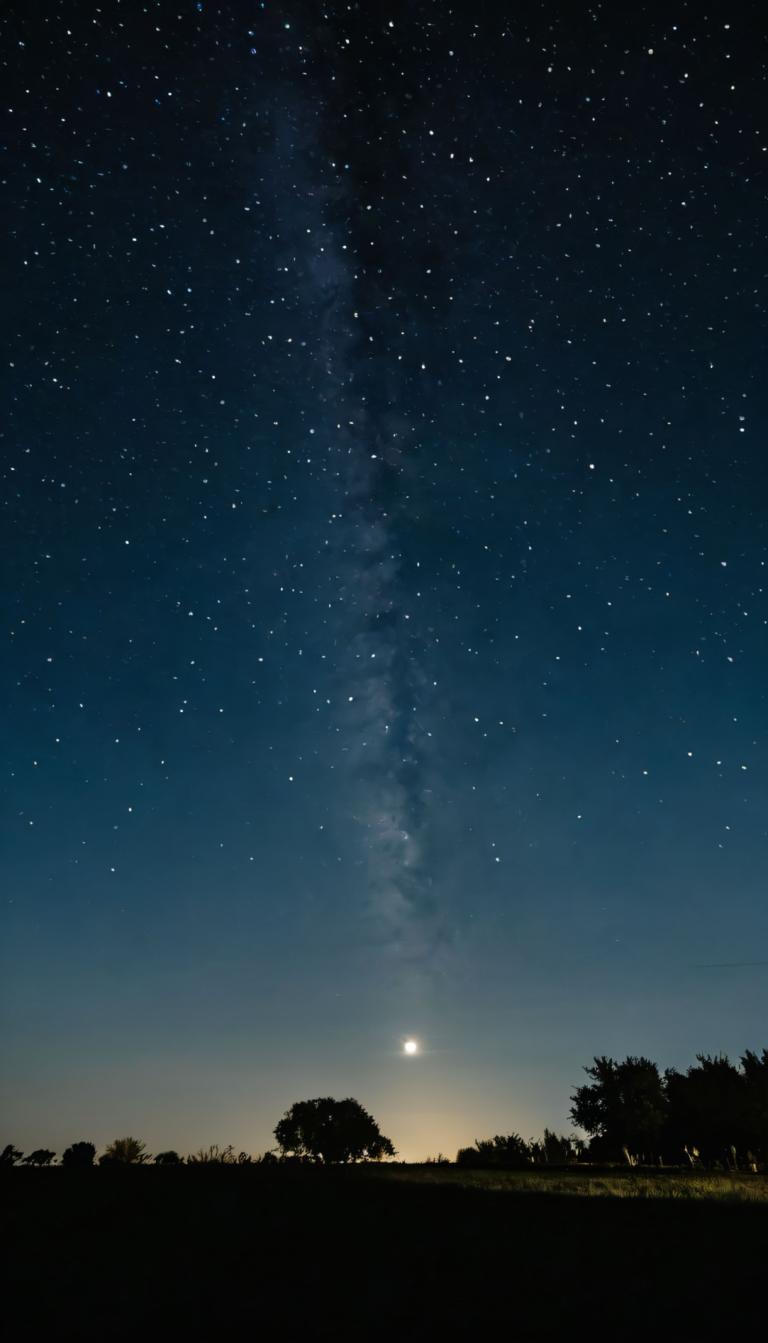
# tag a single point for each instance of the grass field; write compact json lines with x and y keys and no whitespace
{"x":732,"y":1187}
{"x":402,"y":1253}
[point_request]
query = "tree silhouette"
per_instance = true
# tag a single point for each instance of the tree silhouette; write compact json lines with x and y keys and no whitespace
{"x":328,"y":1130}
{"x":169,"y":1158}
{"x":624,"y":1108}
{"x":79,"y":1155}
{"x":10,"y":1155}
{"x":708,"y":1108}
{"x":755,"y":1070}
{"x":124,"y":1152}
{"x":41,"y":1157}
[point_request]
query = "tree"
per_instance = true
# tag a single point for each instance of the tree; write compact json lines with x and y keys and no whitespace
{"x":10,"y":1155}
{"x":41,"y":1157}
{"x":169,"y":1158}
{"x":328,"y":1130}
{"x":755,"y":1070}
{"x":708,"y":1108}
{"x":124,"y":1152}
{"x":624,"y":1107}
{"x":79,"y":1155}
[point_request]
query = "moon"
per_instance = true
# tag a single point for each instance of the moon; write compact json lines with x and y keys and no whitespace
{"x":410,"y":1047}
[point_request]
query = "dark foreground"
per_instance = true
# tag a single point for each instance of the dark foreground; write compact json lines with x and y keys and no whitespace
{"x":259,"y":1253}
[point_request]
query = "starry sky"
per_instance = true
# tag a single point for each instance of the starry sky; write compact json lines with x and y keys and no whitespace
{"x":383,"y":559}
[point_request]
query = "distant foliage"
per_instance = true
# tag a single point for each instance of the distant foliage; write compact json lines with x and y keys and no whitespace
{"x":754,"y":1069}
{"x":714,"y":1113}
{"x":208,"y":1156}
{"x":125,"y":1152}
{"x":331,"y":1131}
{"x":79,"y":1155}
{"x":556,"y":1149}
{"x":219,"y":1156}
{"x":718,"y":1111}
{"x":510,"y":1151}
{"x":622,"y":1107}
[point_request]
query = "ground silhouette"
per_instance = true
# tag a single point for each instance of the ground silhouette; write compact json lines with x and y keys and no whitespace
{"x":334,"y":1251}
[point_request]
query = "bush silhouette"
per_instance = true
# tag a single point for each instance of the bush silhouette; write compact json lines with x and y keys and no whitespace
{"x":331,"y":1131}
{"x":558,"y":1149}
{"x":124,"y":1152}
{"x":218,"y":1156}
{"x":80,"y":1154}
{"x":510,"y":1151}
{"x":10,"y":1155}
{"x":169,"y":1158}
{"x":41,"y":1157}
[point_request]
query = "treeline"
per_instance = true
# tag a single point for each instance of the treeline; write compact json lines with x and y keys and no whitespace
{"x":714,"y":1114}
{"x":131,"y":1152}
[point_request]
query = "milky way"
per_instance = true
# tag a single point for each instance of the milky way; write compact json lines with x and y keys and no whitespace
{"x":368,"y":435}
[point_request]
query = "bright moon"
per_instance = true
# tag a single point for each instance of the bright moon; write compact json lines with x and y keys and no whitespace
{"x":411,"y":1047}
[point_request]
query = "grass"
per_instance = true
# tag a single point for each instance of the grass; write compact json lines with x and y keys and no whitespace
{"x":726,"y":1186}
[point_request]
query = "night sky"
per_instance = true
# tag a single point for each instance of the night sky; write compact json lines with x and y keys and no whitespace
{"x":384,"y":542}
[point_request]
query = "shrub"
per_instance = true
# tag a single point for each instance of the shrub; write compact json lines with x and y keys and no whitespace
{"x":41,"y":1157}
{"x":79,"y":1155}
{"x":125,"y":1152}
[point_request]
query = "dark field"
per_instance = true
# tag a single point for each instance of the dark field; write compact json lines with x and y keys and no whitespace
{"x":400,"y":1253}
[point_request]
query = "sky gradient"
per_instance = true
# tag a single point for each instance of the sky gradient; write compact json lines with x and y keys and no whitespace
{"x":383,"y":560}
